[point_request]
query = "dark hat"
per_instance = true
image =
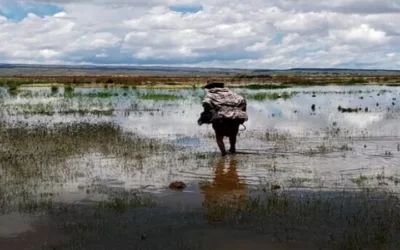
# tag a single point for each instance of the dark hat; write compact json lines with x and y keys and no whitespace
{"x":211,"y":85}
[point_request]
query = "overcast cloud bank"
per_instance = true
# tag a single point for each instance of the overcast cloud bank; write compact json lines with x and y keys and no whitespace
{"x":214,"y":33}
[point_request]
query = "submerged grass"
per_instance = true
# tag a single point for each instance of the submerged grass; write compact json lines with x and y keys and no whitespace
{"x":31,"y":158}
{"x":271,"y":96}
{"x":151,"y":95}
{"x":124,"y":201}
{"x":318,"y":220}
{"x":63,"y":107}
{"x":337,"y":220}
{"x":265,"y":86}
{"x":69,"y":90}
{"x":101,"y":94}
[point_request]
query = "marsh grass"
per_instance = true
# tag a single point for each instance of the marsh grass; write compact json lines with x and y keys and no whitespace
{"x":279,"y":140}
{"x":338,"y":92}
{"x":79,"y":104}
{"x":275,"y":136}
{"x":360,"y":180}
{"x":33,"y":157}
{"x":172,"y":83}
{"x":270,"y":96}
{"x":353,"y":81}
{"x":68,"y":90}
{"x":86,"y":137}
{"x":10,"y":83}
{"x":33,"y":109}
{"x":54,"y":90}
{"x":13,"y":87}
{"x":265,"y":86}
{"x":381,"y":179}
{"x":320,"y":220}
{"x":301,"y":82}
{"x":86,"y":112}
{"x":337,"y":220}
{"x":394,"y":179}
{"x":124,"y":201}
{"x":298,"y":181}
{"x":154,"y":96}
{"x":343,"y":220}
{"x":101,"y":94}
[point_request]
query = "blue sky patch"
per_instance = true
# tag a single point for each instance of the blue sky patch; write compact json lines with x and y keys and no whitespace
{"x":186,"y":8}
{"x":18,"y":11}
{"x":278,"y":38}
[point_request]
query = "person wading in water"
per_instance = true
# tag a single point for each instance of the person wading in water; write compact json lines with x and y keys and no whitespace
{"x":226,"y":111}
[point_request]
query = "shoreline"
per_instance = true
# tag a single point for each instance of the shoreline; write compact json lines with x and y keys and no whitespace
{"x":182,"y":82}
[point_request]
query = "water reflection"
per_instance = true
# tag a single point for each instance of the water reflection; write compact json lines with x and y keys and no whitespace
{"x":14,"y":224}
{"x":226,"y":188}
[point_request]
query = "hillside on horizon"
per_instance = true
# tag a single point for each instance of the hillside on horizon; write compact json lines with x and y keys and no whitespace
{"x":42,"y":69}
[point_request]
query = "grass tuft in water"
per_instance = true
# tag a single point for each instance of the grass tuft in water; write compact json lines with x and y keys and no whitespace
{"x":265,"y":86}
{"x":151,"y":95}
{"x":54,"y":90}
{"x":125,"y":202}
{"x":68,"y":90}
{"x":271,"y":96}
{"x":102,"y":94}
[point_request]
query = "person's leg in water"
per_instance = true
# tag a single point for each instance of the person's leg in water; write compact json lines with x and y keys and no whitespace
{"x":219,"y":129}
{"x":233,"y":132}
{"x":220,"y":142}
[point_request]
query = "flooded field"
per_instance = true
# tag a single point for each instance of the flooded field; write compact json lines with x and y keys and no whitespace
{"x":316,"y":168}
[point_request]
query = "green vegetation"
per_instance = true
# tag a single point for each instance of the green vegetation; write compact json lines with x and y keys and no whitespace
{"x":265,"y":86}
{"x":298,"y":181}
{"x":54,"y":90}
{"x":302,"y":82}
{"x":33,"y":157}
{"x":124,"y":201}
{"x":271,"y":96}
{"x":172,"y":83}
{"x":354,"y":81}
{"x":62,"y":106}
{"x":360,"y":180}
{"x":151,"y":95}
{"x":84,"y":112}
{"x":68,"y":90}
{"x":325,"y":81}
{"x":99,"y":94}
{"x":96,"y":94}
{"x":11,"y":85}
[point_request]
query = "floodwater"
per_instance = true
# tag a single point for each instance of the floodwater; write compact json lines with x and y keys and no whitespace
{"x":308,"y":142}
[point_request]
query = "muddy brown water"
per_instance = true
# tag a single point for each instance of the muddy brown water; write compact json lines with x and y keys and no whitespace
{"x":286,"y":144}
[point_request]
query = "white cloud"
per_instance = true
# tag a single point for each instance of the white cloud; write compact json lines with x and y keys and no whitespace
{"x":102,"y":55}
{"x":360,"y":34}
{"x":255,"y":33}
{"x":3,"y":19}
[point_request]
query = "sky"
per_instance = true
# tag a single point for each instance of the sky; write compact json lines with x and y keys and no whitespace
{"x":266,"y":34}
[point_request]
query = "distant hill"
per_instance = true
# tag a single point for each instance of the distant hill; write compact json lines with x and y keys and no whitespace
{"x":35,"y":69}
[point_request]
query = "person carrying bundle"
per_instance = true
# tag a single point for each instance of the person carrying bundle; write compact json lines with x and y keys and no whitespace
{"x":226,"y":111}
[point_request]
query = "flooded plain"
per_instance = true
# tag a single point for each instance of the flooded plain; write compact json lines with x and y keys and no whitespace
{"x":316,"y":168}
